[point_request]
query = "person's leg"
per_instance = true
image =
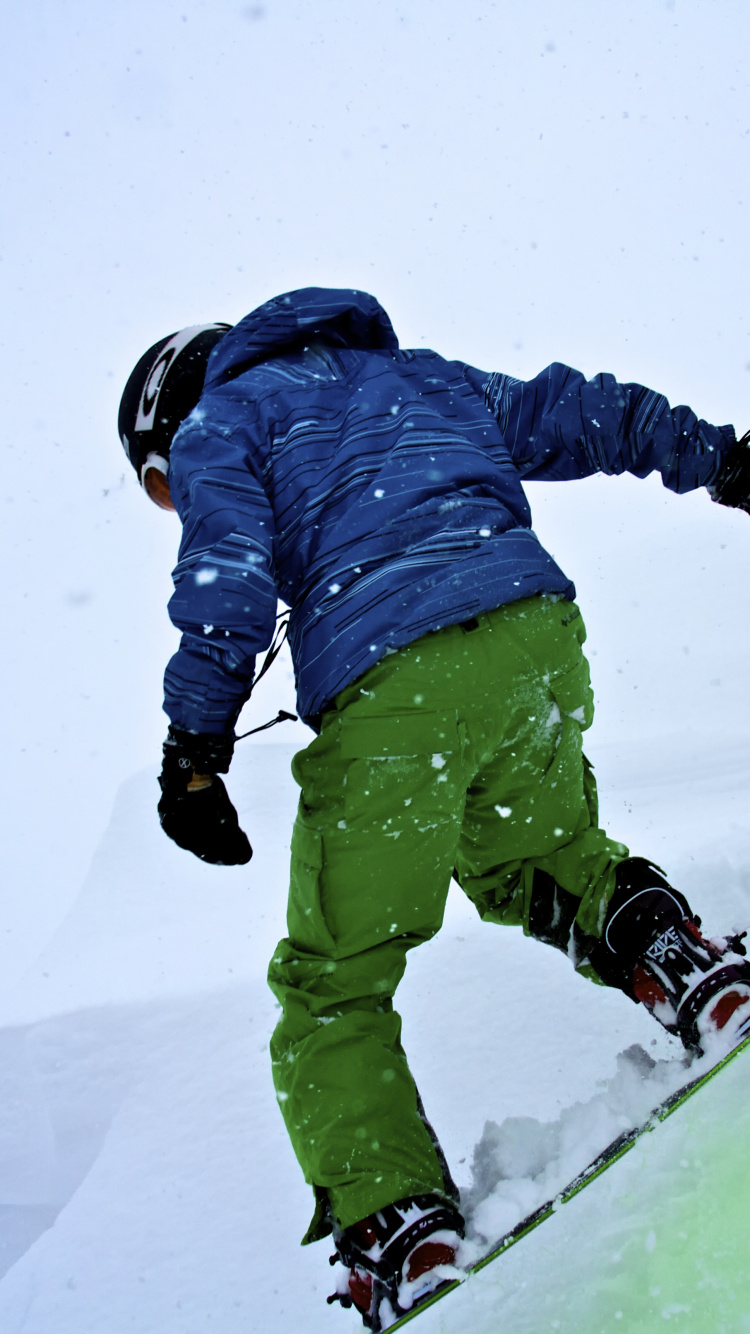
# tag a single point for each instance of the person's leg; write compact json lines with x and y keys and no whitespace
{"x":554,"y":872}
{"x":531,"y":852}
{"x":373,"y":847}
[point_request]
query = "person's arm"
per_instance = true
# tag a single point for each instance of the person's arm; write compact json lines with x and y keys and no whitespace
{"x":561,"y":426}
{"x":225,"y":596}
{"x":225,"y":605}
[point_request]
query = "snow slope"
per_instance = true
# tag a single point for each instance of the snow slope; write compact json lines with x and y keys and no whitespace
{"x":516,"y":184}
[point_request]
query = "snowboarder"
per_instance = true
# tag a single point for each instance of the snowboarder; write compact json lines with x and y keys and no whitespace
{"x":438,"y":658}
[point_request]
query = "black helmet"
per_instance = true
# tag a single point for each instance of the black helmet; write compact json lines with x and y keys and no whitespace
{"x":163,"y":389}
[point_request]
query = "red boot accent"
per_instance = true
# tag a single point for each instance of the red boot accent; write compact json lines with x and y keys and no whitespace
{"x":428,"y":1256}
{"x":725,"y":1007}
{"x":646,"y":989}
{"x":360,"y":1290}
{"x":695,"y":933}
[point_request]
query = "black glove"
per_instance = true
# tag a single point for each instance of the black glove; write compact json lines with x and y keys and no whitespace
{"x":200,"y":819}
{"x":732,"y":486}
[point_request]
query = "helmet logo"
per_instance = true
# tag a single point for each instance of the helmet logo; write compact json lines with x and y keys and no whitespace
{"x":146,"y":416}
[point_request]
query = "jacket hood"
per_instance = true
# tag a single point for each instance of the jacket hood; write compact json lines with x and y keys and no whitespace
{"x":342,"y":317}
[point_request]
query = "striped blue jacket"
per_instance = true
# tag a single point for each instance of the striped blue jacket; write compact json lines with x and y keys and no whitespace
{"x":377,"y":492}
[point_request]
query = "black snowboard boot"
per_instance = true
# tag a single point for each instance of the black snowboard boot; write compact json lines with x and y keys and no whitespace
{"x":397,"y":1257}
{"x":652,"y":948}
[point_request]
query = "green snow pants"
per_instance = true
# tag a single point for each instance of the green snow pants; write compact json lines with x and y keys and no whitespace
{"x":459,"y":755}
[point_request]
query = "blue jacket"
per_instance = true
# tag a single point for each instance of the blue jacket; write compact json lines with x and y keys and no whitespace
{"x":376,"y":492}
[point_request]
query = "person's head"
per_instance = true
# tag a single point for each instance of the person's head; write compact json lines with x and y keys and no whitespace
{"x":161,"y":391}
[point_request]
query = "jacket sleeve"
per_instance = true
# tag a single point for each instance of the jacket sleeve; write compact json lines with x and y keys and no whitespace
{"x":560,"y":426}
{"x":225,"y":598}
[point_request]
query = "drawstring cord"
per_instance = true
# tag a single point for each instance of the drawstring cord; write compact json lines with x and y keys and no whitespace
{"x":276,"y":645}
{"x":281,"y":717}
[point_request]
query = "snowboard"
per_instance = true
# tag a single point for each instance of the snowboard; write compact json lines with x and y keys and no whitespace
{"x":611,"y":1154}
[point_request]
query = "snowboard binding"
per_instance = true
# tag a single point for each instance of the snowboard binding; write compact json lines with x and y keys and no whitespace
{"x":652,"y":948}
{"x":395,"y":1258}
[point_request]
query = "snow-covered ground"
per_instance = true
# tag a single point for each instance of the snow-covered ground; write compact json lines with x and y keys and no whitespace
{"x":517,"y":184}
{"x":661,"y":1237}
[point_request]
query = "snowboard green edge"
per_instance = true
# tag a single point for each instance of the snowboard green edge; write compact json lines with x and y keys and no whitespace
{"x":605,"y":1159}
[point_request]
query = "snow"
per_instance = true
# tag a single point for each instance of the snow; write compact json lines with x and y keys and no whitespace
{"x":661,"y":1236}
{"x":516,"y":188}
{"x":523,"y":1163}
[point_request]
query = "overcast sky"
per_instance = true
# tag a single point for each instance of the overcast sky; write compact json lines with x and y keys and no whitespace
{"x":516,"y":183}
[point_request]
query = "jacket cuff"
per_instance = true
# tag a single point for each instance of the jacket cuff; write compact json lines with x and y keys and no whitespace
{"x":206,"y":752}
